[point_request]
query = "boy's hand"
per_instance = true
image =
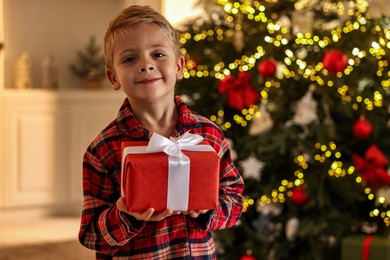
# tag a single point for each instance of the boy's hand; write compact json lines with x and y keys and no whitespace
{"x":195,"y":213}
{"x":147,"y":215}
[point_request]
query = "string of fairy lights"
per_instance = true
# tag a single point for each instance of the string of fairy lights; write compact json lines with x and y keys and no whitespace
{"x":255,"y":11}
{"x":281,"y":36}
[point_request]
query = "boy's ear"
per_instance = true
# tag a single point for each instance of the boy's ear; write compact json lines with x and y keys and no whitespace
{"x":180,"y":67}
{"x":112,"y":78}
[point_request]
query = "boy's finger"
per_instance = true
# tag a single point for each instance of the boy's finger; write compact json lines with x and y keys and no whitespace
{"x":120,"y":204}
{"x":194,"y":214}
{"x":148,"y":214}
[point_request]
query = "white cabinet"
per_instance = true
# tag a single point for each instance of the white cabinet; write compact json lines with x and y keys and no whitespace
{"x":43,"y":137}
{"x":30,"y":149}
{"x":87,"y":120}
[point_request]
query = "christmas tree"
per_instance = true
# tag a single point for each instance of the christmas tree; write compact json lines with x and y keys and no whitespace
{"x":90,"y":62}
{"x":301,"y":89}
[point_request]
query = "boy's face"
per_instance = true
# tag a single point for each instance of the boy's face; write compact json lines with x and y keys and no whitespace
{"x":145,"y":64}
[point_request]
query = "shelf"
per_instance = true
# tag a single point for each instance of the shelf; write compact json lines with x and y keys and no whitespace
{"x":63,"y":94}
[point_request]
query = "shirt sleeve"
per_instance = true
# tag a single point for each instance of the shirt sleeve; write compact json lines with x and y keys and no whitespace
{"x":103,"y":227}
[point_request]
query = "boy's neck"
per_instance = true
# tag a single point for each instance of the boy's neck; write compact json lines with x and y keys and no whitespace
{"x":160,"y":118}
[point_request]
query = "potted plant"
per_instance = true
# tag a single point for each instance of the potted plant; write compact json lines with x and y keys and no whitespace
{"x":89,"y":65}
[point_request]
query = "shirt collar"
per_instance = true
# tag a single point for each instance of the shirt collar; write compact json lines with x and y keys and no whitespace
{"x":129,"y":126}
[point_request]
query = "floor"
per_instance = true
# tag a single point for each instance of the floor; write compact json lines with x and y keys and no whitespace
{"x":37,"y":236}
{"x":33,"y":229}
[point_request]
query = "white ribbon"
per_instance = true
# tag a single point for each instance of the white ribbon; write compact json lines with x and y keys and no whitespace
{"x":178,"y":164}
{"x":173,"y":146}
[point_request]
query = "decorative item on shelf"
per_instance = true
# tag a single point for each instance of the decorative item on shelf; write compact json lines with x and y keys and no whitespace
{"x":22,"y":71}
{"x":90,"y":65}
{"x":49,"y":72}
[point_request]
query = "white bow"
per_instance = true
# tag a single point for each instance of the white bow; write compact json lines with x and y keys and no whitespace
{"x":173,"y":146}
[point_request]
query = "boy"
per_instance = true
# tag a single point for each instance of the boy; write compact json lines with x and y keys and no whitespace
{"x":143,"y":58}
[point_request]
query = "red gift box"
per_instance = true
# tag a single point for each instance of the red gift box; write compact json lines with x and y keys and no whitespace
{"x":148,"y":178}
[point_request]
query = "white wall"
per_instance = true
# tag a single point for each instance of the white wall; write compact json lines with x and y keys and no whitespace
{"x":57,"y":27}
{"x":61,"y":28}
{"x":1,"y":51}
{"x":178,"y":11}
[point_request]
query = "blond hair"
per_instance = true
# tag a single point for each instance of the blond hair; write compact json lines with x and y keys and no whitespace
{"x":135,"y":15}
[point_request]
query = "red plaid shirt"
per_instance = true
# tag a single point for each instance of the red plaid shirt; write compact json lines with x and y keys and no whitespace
{"x":116,"y":235}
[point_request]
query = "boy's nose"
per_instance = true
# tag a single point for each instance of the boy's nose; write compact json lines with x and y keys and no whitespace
{"x":146,"y":64}
{"x":147,"y":67}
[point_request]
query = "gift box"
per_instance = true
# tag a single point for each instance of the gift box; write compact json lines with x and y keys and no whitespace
{"x":181,"y":174}
{"x":365,"y":248}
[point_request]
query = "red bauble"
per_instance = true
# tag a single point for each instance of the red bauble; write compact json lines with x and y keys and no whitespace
{"x":299,"y":196}
{"x":267,"y":68}
{"x":335,"y":61}
{"x":362,"y":128}
{"x":248,"y":256}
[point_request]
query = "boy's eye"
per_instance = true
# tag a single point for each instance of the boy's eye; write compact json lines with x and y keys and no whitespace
{"x":159,"y":54}
{"x":128,"y":59}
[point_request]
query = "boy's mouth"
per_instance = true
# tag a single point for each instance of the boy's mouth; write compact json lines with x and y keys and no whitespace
{"x":148,"y":80}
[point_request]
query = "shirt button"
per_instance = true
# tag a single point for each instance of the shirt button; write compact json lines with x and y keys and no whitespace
{"x":182,"y":244}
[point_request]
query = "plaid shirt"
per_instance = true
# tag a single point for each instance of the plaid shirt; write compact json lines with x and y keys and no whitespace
{"x":116,"y":235}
